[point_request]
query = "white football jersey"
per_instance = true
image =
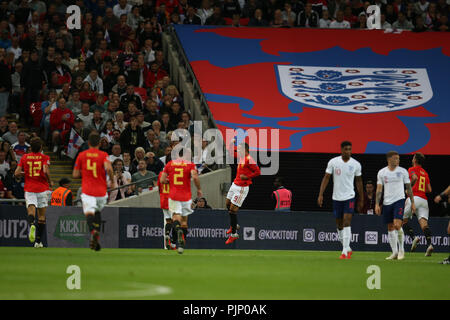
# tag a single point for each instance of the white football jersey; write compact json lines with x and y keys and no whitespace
{"x":344,"y":174}
{"x":393,"y":183}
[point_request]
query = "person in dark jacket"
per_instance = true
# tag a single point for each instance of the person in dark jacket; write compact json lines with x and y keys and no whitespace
{"x":132,"y":137}
{"x":5,"y":86}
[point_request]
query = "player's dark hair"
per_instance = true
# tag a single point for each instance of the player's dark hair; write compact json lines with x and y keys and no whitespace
{"x":36,"y":144}
{"x":345,"y":144}
{"x":420,"y":158}
{"x":94,"y":139}
{"x":390,"y":154}
{"x":369,"y":182}
{"x":279,"y":179}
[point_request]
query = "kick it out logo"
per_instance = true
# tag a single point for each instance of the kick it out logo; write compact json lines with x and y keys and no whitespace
{"x":72,"y":228}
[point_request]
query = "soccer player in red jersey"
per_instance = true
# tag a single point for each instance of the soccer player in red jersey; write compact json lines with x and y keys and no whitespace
{"x":92,"y":166}
{"x":178,"y":174}
{"x":420,"y":186}
{"x":164,"y":204}
{"x":247,"y":170}
{"x":35,"y":167}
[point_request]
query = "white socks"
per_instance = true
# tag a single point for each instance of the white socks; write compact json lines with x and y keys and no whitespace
{"x":393,"y":239}
{"x":401,"y":240}
{"x":346,"y":237}
{"x":341,"y":234}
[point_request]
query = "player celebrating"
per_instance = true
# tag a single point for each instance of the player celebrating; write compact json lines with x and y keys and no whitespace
{"x":35,"y":167}
{"x":444,"y":196}
{"x":92,"y":165}
{"x":164,"y":203}
{"x":178,"y":173}
{"x":394,"y":179}
{"x":420,"y":185}
{"x":247,"y":170}
{"x":345,"y":171}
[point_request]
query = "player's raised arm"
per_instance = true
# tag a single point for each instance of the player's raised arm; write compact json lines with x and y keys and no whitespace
{"x":196,"y":179}
{"x":323,"y":186}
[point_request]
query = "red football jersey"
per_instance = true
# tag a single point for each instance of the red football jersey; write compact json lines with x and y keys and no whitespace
{"x":248,"y":167}
{"x":91,"y":163}
{"x":33,"y":166}
{"x":179,"y":174}
{"x":163,"y":193}
{"x":420,"y":187}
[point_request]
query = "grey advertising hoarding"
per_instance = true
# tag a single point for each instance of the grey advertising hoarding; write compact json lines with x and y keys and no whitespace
{"x":67,"y":228}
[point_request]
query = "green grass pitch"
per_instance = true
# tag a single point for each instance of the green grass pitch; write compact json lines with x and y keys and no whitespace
{"x":29,"y":273}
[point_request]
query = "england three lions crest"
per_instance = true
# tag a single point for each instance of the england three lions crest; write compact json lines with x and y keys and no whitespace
{"x":357,"y":90}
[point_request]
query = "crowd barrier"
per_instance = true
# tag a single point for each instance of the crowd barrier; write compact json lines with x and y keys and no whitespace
{"x":264,"y":230}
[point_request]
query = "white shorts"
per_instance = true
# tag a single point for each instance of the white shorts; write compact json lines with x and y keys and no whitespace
{"x":39,"y":200}
{"x":167,"y":214}
{"x":422,"y":210}
{"x":180,"y":207}
{"x":237,"y":194}
{"x":93,"y":204}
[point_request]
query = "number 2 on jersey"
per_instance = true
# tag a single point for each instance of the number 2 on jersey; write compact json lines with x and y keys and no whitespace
{"x":178,"y":174}
{"x":35,"y":168}
{"x":92,"y":167}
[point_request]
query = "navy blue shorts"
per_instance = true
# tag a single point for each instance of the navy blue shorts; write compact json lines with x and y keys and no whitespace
{"x":341,"y":207}
{"x":393,"y":211}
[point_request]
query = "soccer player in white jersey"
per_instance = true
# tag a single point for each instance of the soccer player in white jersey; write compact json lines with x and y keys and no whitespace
{"x":345,"y":170}
{"x":394,"y":179}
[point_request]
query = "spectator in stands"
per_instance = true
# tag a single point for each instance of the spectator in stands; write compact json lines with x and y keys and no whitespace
{"x":257,"y":19}
{"x":126,"y":161}
{"x":308,"y":17}
{"x":86,"y":116}
{"x":216,"y":18}
{"x":132,"y":137}
{"x":166,"y":124}
{"x":421,"y":7}
{"x":145,"y":126}
{"x":6,"y":147}
{"x":134,"y":18}
{"x":191,"y":16}
{"x":80,"y":71}
{"x":154,"y":164}
{"x":281,"y":197}
{"x":61,"y":72}
{"x":325,"y":21}
{"x":94,"y":81}
{"x":205,"y":11}
{"x":121,"y":178}
{"x":362,"y":20}
{"x":87,"y":94}
{"x":4,"y":165}
{"x":200,"y":203}
{"x":288,"y":15}
{"x":391,"y":15}
{"x":122,"y":7}
{"x":116,"y":151}
{"x":119,"y":123}
{"x":61,"y":121}
{"x":431,"y":17}
{"x":419,"y":26}
{"x":132,"y":111}
{"x":11,"y":135}
{"x":74,"y":103}
{"x":97,"y":123}
{"x":107,"y":131}
{"x":369,"y":198}
{"x":349,"y":16}
{"x":16,"y":91}
{"x":130,"y":96}
{"x":161,"y":62}
{"x":3,"y":125}
{"x":384,"y":24}
{"x":99,"y":104}
{"x":443,"y":24}
{"x":340,"y":23}
{"x":144,"y":179}
{"x":21,"y":147}
{"x":402,"y":23}
{"x":151,"y":111}
{"x":277,"y":20}
{"x":121,"y":86}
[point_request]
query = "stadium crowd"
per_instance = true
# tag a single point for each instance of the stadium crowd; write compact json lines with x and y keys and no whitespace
{"x":111,"y":76}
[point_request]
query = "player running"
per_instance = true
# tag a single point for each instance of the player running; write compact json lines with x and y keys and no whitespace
{"x":420,"y":183}
{"x":444,"y":196}
{"x":393,"y":179}
{"x":35,"y":167}
{"x":92,"y":165}
{"x":164,"y":204}
{"x":247,"y":170}
{"x":178,"y":174}
{"x":345,"y":171}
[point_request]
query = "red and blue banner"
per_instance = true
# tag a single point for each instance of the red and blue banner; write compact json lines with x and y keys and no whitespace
{"x":382,"y":91}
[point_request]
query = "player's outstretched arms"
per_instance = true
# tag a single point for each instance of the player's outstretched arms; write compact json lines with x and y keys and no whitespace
{"x":323,"y":186}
